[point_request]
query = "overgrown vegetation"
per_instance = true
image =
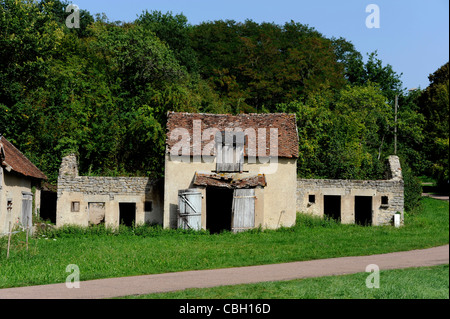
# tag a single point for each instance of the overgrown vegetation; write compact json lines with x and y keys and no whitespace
{"x":101,"y":252}
{"x":115,"y":81}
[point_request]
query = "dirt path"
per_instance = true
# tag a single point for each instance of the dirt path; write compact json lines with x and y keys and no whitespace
{"x":441,"y":197}
{"x":124,"y":286}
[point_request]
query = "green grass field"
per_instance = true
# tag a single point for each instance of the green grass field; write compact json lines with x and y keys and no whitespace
{"x":103,"y":253}
{"x":411,"y":283}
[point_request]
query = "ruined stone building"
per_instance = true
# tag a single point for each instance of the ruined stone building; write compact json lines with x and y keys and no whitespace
{"x":226,"y":172}
{"x":366,"y":202}
{"x":87,"y":200}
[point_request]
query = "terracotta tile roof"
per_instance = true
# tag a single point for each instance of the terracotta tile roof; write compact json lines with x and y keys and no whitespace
{"x":12,"y":158}
{"x":284,"y":123}
{"x":229,"y":180}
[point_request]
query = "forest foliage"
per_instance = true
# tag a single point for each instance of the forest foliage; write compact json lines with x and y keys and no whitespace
{"x":103,"y":91}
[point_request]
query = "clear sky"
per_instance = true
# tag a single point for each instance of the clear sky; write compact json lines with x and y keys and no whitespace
{"x":413,"y":35}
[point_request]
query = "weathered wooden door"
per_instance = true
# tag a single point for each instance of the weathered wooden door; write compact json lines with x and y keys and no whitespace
{"x":189,"y":209}
{"x":243,"y":214}
{"x":27,"y":206}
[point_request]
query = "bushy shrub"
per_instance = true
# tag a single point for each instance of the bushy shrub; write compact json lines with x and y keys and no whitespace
{"x":412,"y":187}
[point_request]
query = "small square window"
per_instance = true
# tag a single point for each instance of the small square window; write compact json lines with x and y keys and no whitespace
{"x":311,"y":199}
{"x":75,"y":207}
{"x":384,"y":200}
{"x":148,"y":206}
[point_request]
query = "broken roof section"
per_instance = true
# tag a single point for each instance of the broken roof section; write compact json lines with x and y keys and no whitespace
{"x":12,"y":159}
{"x":229,"y":180}
{"x":261,"y":124}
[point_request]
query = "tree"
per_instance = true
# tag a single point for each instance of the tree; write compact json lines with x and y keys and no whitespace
{"x":434,"y":105}
{"x":174,"y":31}
{"x":373,"y":71}
{"x":256,"y":66}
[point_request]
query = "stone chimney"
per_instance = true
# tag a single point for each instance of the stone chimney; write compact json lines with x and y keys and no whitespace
{"x":69,"y":166}
{"x":395,"y":167}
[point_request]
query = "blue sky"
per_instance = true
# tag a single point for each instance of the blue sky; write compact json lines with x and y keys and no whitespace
{"x":413,"y":36}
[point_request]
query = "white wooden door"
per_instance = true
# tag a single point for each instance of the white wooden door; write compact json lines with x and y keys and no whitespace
{"x":190,"y":209}
{"x":243,"y":214}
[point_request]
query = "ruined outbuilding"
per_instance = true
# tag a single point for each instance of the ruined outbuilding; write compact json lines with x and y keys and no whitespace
{"x":364,"y":202}
{"x":92,"y":200}
{"x":18,"y":178}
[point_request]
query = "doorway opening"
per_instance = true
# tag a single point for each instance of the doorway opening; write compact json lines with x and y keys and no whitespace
{"x":127,"y":214}
{"x":332,"y":206}
{"x":48,"y":206}
{"x":219,"y":203}
{"x":363,"y":210}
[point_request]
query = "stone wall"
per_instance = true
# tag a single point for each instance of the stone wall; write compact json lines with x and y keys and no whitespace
{"x":387,"y":195}
{"x":111,"y":186}
{"x":111,"y":191}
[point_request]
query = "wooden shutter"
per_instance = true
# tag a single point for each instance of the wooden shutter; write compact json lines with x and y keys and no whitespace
{"x":189,"y":209}
{"x":243,"y":210}
{"x":229,"y":151}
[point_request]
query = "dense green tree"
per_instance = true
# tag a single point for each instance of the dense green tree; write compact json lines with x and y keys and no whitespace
{"x":255,"y":66}
{"x":434,"y":105}
{"x":174,"y":31}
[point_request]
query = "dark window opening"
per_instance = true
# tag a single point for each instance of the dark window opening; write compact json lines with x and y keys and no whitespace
{"x":363,"y":210}
{"x":148,"y":206}
{"x":384,"y":200}
{"x":332,"y":206}
{"x":127,"y":213}
{"x":219,"y":203}
{"x":312,"y":199}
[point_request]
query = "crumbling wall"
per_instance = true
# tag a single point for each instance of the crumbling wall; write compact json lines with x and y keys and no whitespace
{"x":387,"y":195}
{"x":111,"y":191}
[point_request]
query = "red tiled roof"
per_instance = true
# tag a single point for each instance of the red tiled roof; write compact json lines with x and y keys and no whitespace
{"x":229,"y":180}
{"x":11,"y":157}
{"x":284,"y":123}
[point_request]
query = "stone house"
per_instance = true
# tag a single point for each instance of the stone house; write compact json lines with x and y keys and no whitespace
{"x":18,"y":177}
{"x":230,"y":172}
{"x":91,"y":200}
{"x":366,"y":202}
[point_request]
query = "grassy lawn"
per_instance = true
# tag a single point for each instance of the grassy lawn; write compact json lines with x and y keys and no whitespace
{"x":411,"y":283}
{"x":103,"y":253}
